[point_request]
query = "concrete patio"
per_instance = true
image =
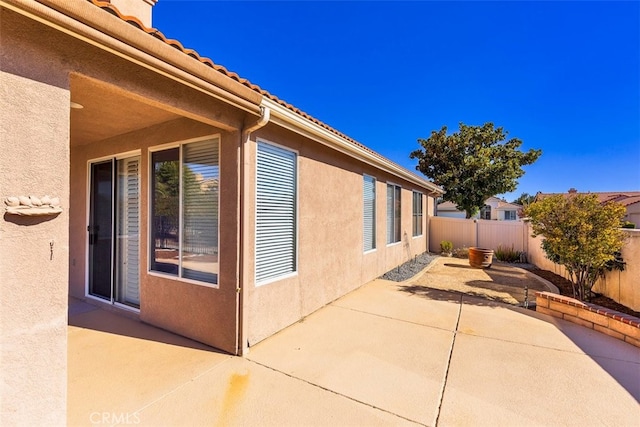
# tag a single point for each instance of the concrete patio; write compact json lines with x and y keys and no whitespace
{"x":385,"y":354}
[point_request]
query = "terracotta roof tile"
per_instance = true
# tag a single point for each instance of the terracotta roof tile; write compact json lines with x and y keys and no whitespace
{"x":192,"y":53}
{"x":625,"y":198}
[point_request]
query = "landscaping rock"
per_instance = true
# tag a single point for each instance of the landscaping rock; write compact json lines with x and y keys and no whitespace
{"x":409,"y":268}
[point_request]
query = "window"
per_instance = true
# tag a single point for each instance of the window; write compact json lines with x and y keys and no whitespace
{"x":393,"y":213}
{"x":417,"y":214}
{"x":369,"y":214}
{"x":485,"y":212}
{"x":184,"y":211}
{"x":510,"y":215}
{"x":276,"y":212}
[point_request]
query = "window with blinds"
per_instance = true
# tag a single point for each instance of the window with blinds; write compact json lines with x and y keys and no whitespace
{"x":276,"y":212}
{"x":417,"y":214}
{"x":184,"y":210}
{"x":393,"y":213}
{"x":369,"y":214}
{"x":200,"y":174}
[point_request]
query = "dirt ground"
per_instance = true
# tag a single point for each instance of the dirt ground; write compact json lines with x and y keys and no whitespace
{"x":501,"y":283}
{"x":566,"y":289}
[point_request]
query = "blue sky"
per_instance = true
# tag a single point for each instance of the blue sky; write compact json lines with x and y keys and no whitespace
{"x":563,"y":77}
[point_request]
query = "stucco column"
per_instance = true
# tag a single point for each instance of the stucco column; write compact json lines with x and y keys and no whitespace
{"x":34,"y":161}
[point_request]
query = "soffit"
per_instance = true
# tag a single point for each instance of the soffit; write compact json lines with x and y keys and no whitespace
{"x":108,"y":112}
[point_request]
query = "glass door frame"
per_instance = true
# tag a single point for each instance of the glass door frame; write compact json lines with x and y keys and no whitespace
{"x":114,"y":177}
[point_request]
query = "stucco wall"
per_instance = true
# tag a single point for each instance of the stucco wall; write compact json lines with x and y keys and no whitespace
{"x":34,"y":160}
{"x":40,"y":53}
{"x":331,"y":261}
{"x":203,"y":313}
{"x":633,"y":214}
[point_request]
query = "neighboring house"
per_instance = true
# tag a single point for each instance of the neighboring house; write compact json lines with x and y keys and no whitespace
{"x":494,"y":209}
{"x":629,"y":199}
{"x":189,"y":197}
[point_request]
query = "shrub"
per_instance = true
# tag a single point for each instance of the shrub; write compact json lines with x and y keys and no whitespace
{"x":507,"y":254}
{"x":581,"y":234}
{"x":461,"y":252}
{"x":446,"y":246}
{"x":628,"y":224}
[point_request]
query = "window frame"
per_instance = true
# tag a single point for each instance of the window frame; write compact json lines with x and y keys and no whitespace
{"x":373,"y":219}
{"x":293,"y":273}
{"x":417,"y":214}
{"x":392,"y":223}
{"x":151,"y":177}
{"x":510,"y":212}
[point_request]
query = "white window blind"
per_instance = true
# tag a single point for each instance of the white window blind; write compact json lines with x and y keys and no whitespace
{"x":200,"y":174}
{"x":369,"y":214}
{"x":417,"y":214}
{"x":128,"y":233}
{"x":276,"y":217}
{"x":393,"y":213}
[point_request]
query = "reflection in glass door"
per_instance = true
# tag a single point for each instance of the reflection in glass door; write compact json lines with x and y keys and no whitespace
{"x":114,"y":230}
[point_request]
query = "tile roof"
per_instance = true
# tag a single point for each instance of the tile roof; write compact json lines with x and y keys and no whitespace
{"x":192,"y":53}
{"x":625,"y":198}
{"x":507,"y":205}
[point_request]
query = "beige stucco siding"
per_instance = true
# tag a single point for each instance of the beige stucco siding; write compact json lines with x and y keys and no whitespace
{"x":331,"y":260}
{"x":158,"y":110}
{"x":34,"y":142}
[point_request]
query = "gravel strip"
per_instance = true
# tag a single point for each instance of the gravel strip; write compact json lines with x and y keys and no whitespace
{"x":409,"y":268}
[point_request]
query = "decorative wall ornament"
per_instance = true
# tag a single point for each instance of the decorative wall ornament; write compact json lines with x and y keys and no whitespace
{"x":32,"y":205}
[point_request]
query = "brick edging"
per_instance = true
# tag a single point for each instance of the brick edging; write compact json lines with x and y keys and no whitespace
{"x":613,"y":323}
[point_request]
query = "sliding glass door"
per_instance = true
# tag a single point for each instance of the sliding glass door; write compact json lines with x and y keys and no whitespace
{"x":114,"y":230}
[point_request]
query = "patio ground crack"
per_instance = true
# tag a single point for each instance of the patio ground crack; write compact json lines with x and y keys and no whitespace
{"x":446,"y":372}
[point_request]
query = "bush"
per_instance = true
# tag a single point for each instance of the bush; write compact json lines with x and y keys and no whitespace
{"x":628,"y":224}
{"x":507,"y":254}
{"x":461,"y":253}
{"x":446,"y":246}
{"x":579,"y":233}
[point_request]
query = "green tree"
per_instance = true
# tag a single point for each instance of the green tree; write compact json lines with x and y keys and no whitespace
{"x":579,"y":233}
{"x":473,"y":164}
{"x":524,"y":199}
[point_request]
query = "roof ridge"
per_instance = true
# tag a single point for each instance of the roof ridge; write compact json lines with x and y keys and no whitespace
{"x":110,"y":8}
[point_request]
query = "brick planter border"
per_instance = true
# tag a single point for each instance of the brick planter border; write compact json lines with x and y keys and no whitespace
{"x":613,"y":323}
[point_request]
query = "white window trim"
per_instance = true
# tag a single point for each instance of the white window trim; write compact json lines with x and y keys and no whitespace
{"x":375,"y":212}
{"x":255,"y":216}
{"x":162,"y":147}
{"x":385,"y":214}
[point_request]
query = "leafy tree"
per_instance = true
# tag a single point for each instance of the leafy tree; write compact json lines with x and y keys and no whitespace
{"x":167,"y":196}
{"x":524,"y":199}
{"x":581,"y":234}
{"x":473,"y":164}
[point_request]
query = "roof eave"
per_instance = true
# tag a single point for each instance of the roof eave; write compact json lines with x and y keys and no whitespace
{"x":290,"y":120}
{"x":84,"y":21}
